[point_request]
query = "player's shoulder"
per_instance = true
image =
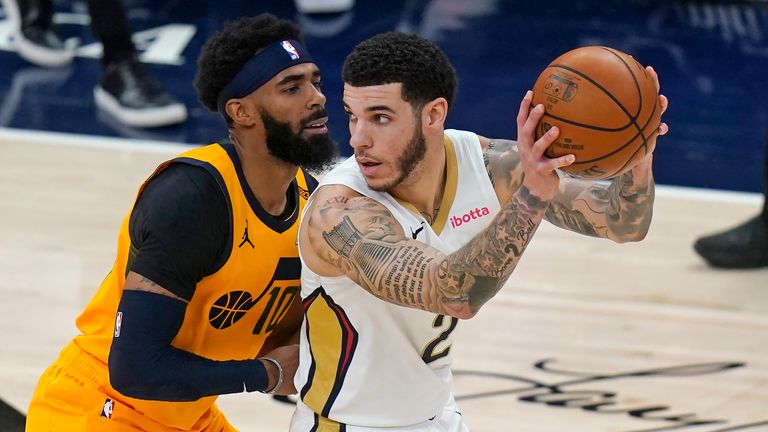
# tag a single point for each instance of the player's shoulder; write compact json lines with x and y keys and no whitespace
{"x":184,"y":182}
{"x":468,"y":139}
{"x":334,"y":193}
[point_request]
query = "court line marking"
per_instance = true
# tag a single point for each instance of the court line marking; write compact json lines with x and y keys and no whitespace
{"x":153,"y":146}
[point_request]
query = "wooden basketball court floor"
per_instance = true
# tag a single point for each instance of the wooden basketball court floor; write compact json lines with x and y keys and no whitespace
{"x":587,"y":336}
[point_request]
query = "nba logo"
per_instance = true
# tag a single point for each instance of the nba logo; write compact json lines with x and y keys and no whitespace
{"x":290,"y":49}
{"x":561,"y":87}
{"x":106,"y":411}
{"x":118,"y":323}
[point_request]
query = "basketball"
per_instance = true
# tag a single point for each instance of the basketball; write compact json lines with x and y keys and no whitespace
{"x":606,"y":106}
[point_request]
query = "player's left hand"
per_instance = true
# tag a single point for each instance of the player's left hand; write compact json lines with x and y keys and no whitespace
{"x":288,"y":357}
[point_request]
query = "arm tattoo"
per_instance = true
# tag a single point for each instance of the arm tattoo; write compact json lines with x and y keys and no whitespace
{"x":620,"y":210}
{"x":631,"y":207}
{"x":137,"y":282}
{"x":146,"y":280}
{"x":487,"y":160}
{"x":406,"y":272}
{"x":394,"y":270}
{"x":477,"y":271}
{"x":574,"y":220}
{"x":502,"y":162}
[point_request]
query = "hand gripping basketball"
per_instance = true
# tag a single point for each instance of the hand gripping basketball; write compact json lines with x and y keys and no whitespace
{"x":540,"y":176}
{"x":607,"y":107}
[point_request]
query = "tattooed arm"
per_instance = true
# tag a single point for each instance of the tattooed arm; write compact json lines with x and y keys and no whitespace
{"x":620,"y":210}
{"x":344,"y":233}
{"x":356,"y":236}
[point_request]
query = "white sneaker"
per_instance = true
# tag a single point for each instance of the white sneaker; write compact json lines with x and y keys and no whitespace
{"x":34,"y":42}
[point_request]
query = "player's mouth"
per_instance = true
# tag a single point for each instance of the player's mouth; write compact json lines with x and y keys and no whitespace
{"x":368,"y":167}
{"x":319,"y":126}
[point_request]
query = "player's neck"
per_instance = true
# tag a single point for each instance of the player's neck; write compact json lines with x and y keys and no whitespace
{"x":268,"y":177}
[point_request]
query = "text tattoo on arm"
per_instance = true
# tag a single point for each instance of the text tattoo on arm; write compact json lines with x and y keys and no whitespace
{"x":410,"y":273}
{"x":395,"y":270}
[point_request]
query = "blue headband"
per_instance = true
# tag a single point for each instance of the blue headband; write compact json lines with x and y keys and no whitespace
{"x":261,"y":68}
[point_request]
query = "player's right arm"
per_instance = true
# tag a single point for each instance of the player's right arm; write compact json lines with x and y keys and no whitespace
{"x":619,"y":209}
{"x":346,"y":233}
{"x":170,"y":253}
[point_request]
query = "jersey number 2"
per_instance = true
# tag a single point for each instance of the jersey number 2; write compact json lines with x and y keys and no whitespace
{"x":430,"y":352}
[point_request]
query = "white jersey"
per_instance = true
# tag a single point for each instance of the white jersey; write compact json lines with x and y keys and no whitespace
{"x":366,"y":362}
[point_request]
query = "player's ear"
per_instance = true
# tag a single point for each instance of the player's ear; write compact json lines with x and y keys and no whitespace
{"x":239,"y":110}
{"x":435,"y":113}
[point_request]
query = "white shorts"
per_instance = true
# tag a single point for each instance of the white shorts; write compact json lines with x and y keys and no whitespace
{"x":450,"y":420}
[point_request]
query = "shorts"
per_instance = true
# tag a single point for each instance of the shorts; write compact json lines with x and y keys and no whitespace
{"x":449,"y":420}
{"x":69,"y":399}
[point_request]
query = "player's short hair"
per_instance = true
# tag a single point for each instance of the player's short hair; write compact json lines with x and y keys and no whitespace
{"x":395,"y":57}
{"x":226,"y":52}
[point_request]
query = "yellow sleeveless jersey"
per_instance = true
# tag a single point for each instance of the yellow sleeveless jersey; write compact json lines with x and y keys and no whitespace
{"x":234,"y":313}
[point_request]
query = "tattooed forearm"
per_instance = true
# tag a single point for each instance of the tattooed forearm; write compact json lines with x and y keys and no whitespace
{"x":631,"y":207}
{"x":620,"y":210}
{"x":571,"y":219}
{"x":371,"y":248}
{"x":477,"y":271}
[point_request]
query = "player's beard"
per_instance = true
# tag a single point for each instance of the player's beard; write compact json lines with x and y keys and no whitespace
{"x":316,"y":154}
{"x":413,"y":154}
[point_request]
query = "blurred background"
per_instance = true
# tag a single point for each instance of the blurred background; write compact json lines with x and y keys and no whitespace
{"x":70,"y":170}
{"x":711,"y":57}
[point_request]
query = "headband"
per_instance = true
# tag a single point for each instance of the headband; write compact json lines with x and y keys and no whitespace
{"x":261,"y":68}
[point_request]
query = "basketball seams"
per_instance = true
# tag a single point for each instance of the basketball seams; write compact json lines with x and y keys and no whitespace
{"x":634,"y":78}
{"x":639,"y":133}
{"x":644,"y":147}
{"x":622,"y":150}
{"x":633,"y":119}
{"x":586,"y":126}
{"x":641,"y":130}
{"x":604,"y":90}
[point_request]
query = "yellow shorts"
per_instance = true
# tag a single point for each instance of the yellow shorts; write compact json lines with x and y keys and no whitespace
{"x":68,"y":399}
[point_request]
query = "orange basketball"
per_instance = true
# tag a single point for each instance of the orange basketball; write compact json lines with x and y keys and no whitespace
{"x":606,"y":106}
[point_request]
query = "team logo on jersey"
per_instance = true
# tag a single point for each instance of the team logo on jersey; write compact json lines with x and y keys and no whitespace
{"x":245,"y":238}
{"x":230,"y":308}
{"x":290,"y":49}
{"x":476,"y":213}
{"x":106,"y":410}
{"x":303,"y":193}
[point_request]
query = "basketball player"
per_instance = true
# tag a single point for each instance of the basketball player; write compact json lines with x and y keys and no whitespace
{"x":203,"y":299}
{"x":419,"y":229}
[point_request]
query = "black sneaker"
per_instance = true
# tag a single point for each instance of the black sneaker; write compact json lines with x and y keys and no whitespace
{"x":745,"y":246}
{"x":130,"y":93}
{"x":35,"y":38}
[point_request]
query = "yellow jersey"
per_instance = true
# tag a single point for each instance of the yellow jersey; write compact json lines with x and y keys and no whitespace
{"x":249,"y":306}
